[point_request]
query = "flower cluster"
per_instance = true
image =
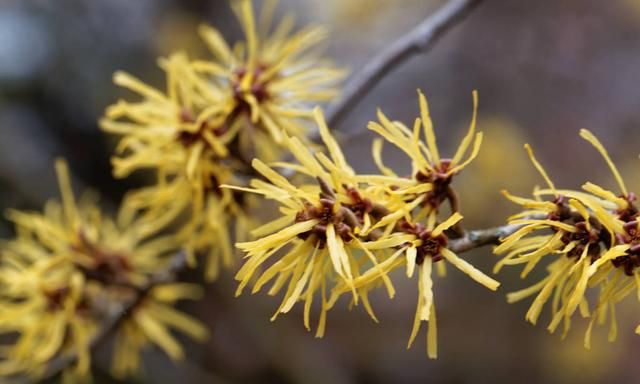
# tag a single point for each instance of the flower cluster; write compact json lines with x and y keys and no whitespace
{"x":73,"y":275}
{"x":343,"y":232}
{"x":592,"y":238}
{"x":214,"y":118}
{"x":67,"y":270}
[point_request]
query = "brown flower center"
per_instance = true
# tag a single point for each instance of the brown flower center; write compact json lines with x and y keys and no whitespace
{"x":344,"y":219}
{"x":431,"y":245}
{"x":258,"y":88}
{"x":441,"y":181}
{"x":108,"y":267}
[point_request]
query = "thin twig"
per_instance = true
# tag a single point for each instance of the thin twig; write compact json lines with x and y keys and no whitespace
{"x":419,"y":40}
{"x":480,"y":237}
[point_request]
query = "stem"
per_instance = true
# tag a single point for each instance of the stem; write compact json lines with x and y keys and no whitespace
{"x":419,"y":40}
{"x":480,"y":237}
{"x":454,"y":204}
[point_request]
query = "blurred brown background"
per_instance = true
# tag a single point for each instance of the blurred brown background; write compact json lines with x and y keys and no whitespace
{"x":544,"y":69}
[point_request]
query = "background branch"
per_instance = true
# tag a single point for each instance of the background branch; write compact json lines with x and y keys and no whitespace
{"x":419,"y":40}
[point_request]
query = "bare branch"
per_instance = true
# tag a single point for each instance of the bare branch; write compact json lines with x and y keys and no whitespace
{"x":480,"y":237}
{"x":419,"y":40}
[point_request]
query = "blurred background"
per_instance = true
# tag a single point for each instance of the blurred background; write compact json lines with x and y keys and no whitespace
{"x":544,"y":69}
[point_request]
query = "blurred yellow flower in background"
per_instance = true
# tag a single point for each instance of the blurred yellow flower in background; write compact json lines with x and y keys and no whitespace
{"x":150,"y":323}
{"x":175,"y":135}
{"x":214,"y":117}
{"x":63,"y":273}
{"x":274,"y":77}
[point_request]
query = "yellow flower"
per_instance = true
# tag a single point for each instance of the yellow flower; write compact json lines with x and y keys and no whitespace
{"x":591,"y":237}
{"x":173,"y":132}
{"x":318,"y":227}
{"x":213,"y":119}
{"x":428,"y":167}
{"x":64,"y":271}
{"x":150,"y":323}
{"x":275,"y":76}
{"x":211,"y":214}
{"x":183,"y":137}
{"x":44,"y":305}
{"x":429,"y":247}
{"x":345,"y":232}
{"x":424,"y":248}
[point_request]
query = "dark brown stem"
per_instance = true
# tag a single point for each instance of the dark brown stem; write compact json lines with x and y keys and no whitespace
{"x":454,"y":204}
